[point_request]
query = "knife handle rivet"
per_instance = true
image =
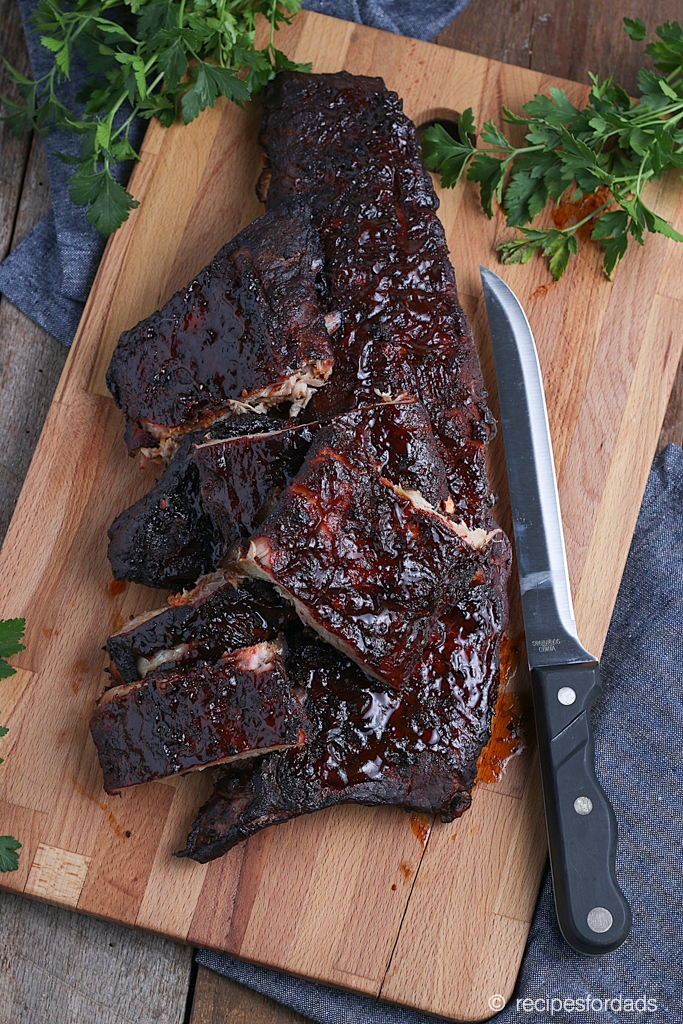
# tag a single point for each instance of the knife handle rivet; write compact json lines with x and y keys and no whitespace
{"x":566,"y":695}
{"x":599,"y":919}
{"x":583,"y":805}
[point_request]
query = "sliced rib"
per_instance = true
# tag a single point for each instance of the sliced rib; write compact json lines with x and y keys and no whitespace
{"x":216,"y":487}
{"x":368,"y":564}
{"x":368,"y":744}
{"x":223,"y":612}
{"x":249,"y":328}
{"x":177,"y":720}
{"x":241,"y":478}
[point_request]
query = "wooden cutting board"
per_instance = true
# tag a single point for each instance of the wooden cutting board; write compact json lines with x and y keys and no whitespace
{"x":384,"y":903}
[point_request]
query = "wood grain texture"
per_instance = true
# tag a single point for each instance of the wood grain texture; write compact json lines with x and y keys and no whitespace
{"x":567,"y":38}
{"x":316,"y":896}
{"x":221,"y":999}
{"x":64,"y":968}
{"x":13,"y":151}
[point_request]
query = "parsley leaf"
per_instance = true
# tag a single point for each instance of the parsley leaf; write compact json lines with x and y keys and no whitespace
{"x":11,"y":633}
{"x":109,"y":202}
{"x":449,"y":155}
{"x":9,"y":857}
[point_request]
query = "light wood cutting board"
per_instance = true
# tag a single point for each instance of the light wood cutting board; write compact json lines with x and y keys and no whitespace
{"x":352,"y":896}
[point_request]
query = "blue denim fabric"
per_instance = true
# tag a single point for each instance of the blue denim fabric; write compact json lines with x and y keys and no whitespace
{"x":638,"y":724}
{"x":49,"y":274}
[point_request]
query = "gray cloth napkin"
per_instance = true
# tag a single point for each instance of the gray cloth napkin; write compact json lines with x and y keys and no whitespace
{"x":48,"y":276}
{"x":638,"y":740}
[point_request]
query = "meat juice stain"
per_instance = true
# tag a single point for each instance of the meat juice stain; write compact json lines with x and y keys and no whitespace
{"x":102,"y":805}
{"x":116,"y":587}
{"x":421,"y":826}
{"x":80,"y":667}
{"x":116,"y":620}
{"x":508,"y":738}
{"x":541,"y":290}
{"x":405,"y":869}
{"x":568,"y":211}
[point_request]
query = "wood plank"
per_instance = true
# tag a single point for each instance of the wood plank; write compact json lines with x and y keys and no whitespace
{"x":30,"y":359}
{"x":218,"y":999}
{"x":598,"y":351}
{"x":566,"y":38}
{"x":60,"y":966}
{"x":57,"y":876}
{"x":13,"y":151}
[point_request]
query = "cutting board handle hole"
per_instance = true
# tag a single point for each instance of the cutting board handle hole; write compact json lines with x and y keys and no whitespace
{"x":447,"y":118}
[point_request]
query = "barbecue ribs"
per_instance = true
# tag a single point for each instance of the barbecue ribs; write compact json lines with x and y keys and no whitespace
{"x":345,"y":144}
{"x":368,"y":564}
{"x":367,"y":743}
{"x":249,"y":328}
{"x":383,"y":540}
{"x":223,"y":612}
{"x":178,"y":720}
{"x":214,"y":492}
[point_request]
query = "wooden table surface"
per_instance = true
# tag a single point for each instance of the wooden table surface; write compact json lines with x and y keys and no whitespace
{"x":65,"y":968}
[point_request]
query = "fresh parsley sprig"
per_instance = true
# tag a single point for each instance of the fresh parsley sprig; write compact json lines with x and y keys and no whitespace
{"x":11,"y":633}
{"x":611,"y":149}
{"x":147,"y":58}
{"x":9,"y":856}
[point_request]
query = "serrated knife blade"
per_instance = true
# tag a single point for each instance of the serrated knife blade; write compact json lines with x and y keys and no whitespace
{"x":592,"y":911}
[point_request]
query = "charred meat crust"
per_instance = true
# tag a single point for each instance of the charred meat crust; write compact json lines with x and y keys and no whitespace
{"x":214,"y":492}
{"x":225,"y":612}
{"x":368,"y":744}
{"x":178,"y":720}
{"x":367,"y":565}
{"x":249,"y":327}
{"x":239,"y":479}
{"x":396,"y":436}
{"x":344,"y":143}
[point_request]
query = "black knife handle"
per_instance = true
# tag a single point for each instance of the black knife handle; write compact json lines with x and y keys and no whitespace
{"x":592,"y":911}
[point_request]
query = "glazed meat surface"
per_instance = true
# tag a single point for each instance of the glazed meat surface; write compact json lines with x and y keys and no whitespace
{"x":367,"y":564}
{"x":367,"y":743}
{"x":214,"y":491}
{"x":345,"y":143}
{"x":176,"y":720}
{"x":240,"y":478}
{"x":223,"y":612}
{"x":395,"y":436}
{"x":248,"y":328}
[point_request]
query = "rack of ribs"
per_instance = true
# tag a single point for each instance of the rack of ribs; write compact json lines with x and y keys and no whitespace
{"x":250,"y":328}
{"x":345,"y":144}
{"x":379,"y":539}
{"x":367,"y":743}
{"x":214,"y":491}
{"x":367,"y":563}
{"x":223,"y":612}
{"x":175,"y":720}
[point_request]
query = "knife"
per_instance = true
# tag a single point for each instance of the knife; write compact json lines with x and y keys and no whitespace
{"x":592,"y":911}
